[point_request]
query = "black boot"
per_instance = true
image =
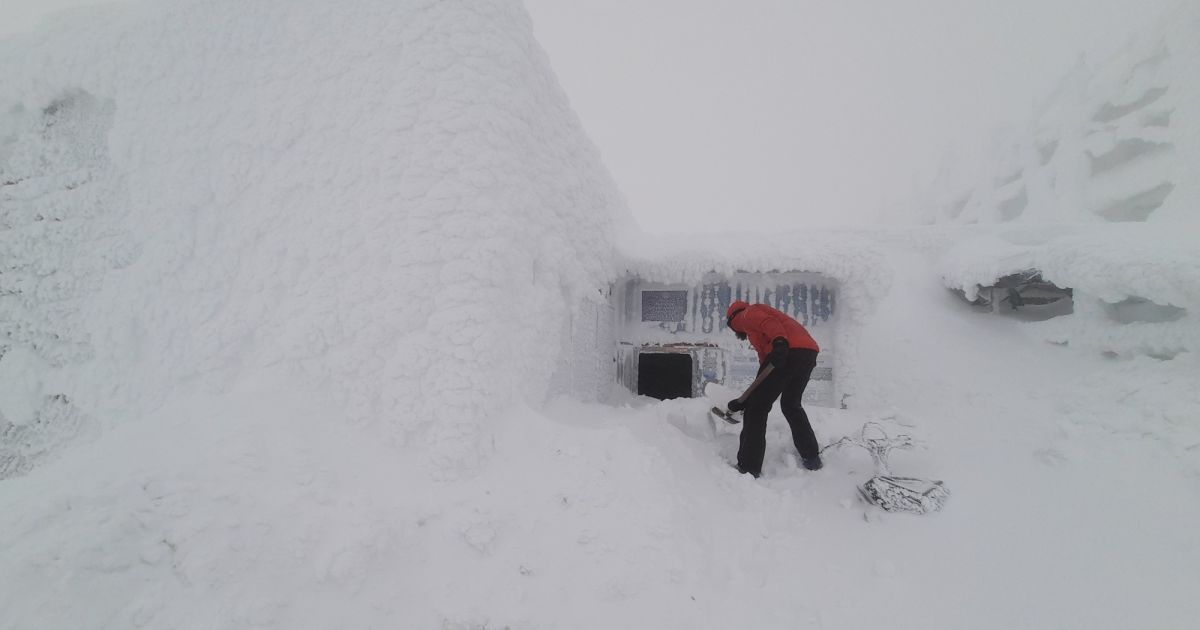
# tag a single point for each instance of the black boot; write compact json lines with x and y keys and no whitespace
{"x":812,"y":463}
{"x":744,"y":471}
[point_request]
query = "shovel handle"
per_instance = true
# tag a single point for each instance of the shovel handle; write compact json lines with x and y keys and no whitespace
{"x":758,"y":381}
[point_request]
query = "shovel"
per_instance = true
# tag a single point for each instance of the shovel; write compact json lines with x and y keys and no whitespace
{"x":726,"y":414}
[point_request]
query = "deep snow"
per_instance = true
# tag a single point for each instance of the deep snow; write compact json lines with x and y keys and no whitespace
{"x":290,"y":302}
{"x":1074,"y":480}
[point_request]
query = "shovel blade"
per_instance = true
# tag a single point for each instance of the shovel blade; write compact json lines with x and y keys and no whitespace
{"x":724,"y":414}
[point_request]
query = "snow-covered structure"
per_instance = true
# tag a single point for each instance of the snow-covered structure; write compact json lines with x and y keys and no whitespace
{"x":289,"y":288}
{"x":671,"y":298}
{"x":391,"y":203}
{"x":1136,"y":289}
{"x":673,"y":340}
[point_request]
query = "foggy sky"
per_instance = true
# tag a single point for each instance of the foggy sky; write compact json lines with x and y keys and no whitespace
{"x":729,"y":114}
{"x":751,"y":114}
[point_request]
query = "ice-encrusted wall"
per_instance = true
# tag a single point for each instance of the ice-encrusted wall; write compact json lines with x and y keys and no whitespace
{"x":60,"y":205}
{"x":653,"y":316}
{"x":853,"y":270}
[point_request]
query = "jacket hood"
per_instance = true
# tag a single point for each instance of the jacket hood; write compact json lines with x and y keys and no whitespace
{"x":735,"y":308}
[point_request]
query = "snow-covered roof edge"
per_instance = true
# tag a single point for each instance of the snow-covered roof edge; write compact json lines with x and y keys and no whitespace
{"x":856,"y":262}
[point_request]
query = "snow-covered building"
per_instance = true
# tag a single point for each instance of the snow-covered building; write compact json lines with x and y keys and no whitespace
{"x":672,"y":338}
{"x":669,"y":300}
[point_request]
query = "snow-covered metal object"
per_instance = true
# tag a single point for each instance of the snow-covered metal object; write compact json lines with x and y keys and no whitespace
{"x":892,"y":493}
{"x":904,"y":494}
{"x":1025,"y":293}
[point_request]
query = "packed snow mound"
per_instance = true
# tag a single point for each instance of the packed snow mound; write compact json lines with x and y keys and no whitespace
{"x":1116,"y":142}
{"x":390,"y":202}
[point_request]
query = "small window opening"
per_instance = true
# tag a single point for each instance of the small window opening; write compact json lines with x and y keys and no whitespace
{"x":665,"y":375}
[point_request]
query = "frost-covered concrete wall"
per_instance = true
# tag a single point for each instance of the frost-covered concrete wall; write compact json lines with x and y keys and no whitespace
{"x":1116,"y":142}
{"x":390,"y":202}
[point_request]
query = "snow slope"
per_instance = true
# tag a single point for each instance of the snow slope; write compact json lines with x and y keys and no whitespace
{"x":390,"y":202}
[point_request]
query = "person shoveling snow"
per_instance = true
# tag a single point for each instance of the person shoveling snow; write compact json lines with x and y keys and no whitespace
{"x":787,"y":354}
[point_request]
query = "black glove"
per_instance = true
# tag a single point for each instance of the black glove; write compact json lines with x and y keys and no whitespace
{"x":779,"y":353}
{"x":736,"y":405}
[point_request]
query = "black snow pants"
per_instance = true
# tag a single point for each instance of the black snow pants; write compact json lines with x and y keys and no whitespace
{"x":787,"y":384}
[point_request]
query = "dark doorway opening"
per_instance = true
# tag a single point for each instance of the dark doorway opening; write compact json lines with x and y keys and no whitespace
{"x":665,"y":375}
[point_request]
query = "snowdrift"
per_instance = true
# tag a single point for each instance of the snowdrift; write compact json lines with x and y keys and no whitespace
{"x":389,"y":203}
{"x":1136,"y":288}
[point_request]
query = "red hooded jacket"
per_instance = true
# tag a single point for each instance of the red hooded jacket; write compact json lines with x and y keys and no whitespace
{"x":762,"y":324}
